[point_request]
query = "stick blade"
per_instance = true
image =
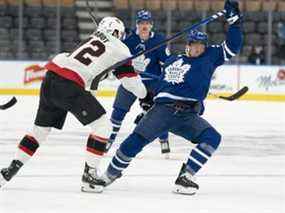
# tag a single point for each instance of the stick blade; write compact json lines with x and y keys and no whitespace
{"x":236,"y":95}
{"x":9,"y":104}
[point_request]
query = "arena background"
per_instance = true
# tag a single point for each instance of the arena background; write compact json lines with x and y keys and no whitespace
{"x":247,"y":173}
{"x":32,"y":31}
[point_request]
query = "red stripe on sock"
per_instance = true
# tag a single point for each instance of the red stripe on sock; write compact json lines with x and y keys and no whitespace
{"x":32,"y":139}
{"x":94,"y":151}
{"x":26,"y":150}
{"x":98,"y":138}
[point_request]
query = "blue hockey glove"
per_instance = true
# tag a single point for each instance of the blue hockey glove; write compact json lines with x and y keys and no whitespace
{"x":232,"y":15}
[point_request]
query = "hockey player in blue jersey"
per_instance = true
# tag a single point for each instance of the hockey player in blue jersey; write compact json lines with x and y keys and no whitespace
{"x":184,"y":85}
{"x":140,"y":39}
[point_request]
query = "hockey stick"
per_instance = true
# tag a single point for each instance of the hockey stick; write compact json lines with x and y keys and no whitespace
{"x":91,"y":14}
{"x":9,"y":104}
{"x":172,"y":38}
{"x":234,"y":96}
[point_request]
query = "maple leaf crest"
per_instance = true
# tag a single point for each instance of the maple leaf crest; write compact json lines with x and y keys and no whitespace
{"x":175,"y":72}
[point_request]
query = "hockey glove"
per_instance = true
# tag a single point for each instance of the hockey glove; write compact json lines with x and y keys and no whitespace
{"x":147,"y":102}
{"x":140,"y":63}
{"x":232,"y":15}
{"x":139,"y":117}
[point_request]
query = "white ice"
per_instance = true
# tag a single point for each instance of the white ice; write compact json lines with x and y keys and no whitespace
{"x":246,"y":175}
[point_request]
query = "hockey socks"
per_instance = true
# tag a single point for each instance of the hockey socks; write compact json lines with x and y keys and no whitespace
{"x":208,"y":143}
{"x":116,"y":128}
{"x":124,"y":155}
{"x":117,"y":117}
{"x":96,"y":147}
{"x":117,"y":165}
{"x":27,"y":148}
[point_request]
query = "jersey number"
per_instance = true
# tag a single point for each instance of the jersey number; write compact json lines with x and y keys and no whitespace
{"x":82,"y":55}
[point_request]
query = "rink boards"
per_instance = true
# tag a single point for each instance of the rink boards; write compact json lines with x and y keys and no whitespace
{"x":266,"y":83}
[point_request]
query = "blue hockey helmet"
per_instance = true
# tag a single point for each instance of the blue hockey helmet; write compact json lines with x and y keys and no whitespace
{"x":197,"y":36}
{"x":143,"y":15}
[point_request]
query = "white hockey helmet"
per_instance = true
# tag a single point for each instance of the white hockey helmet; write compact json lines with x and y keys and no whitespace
{"x":113,"y":26}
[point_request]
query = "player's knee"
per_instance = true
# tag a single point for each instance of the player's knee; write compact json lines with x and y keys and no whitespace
{"x":209,"y":140}
{"x":101,"y":127}
{"x":40,"y":133}
{"x":133,"y":145}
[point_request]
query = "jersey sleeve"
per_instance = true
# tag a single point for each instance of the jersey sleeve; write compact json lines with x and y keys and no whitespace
{"x":130,"y":80}
{"x":229,"y":48}
{"x":163,"y":51}
{"x":126,"y":70}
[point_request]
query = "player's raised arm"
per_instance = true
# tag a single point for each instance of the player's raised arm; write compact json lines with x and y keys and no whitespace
{"x":233,"y":43}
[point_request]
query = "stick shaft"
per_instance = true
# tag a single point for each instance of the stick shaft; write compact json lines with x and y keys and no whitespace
{"x":172,"y":38}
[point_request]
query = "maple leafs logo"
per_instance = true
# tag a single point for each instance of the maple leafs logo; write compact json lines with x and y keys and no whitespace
{"x":175,"y":72}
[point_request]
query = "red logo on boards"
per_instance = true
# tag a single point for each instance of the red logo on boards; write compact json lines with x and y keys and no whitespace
{"x":281,"y":75}
{"x":34,"y":73}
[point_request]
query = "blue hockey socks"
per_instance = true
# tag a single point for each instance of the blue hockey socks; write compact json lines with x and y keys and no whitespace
{"x":117,"y":117}
{"x":208,"y":142}
{"x":128,"y":150}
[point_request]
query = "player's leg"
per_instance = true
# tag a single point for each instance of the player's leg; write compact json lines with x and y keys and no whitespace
{"x":164,"y":144}
{"x":95,"y":149}
{"x":48,"y":115}
{"x":164,"y":138}
{"x":25,"y":150}
{"x":122,"y":104}
{"x":87,"y":109}
{"x":156,"y":121}
{"x":207,"y":139}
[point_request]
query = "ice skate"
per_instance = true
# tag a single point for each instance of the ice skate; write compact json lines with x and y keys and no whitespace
{"x":109,"y":179}
{"x":91,"y":181}
{"x":184,"y":183}
{"x":7,"y":174}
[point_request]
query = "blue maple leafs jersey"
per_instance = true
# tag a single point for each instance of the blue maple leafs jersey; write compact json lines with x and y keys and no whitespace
{"x":186,"y":78}
{"x":151,"y":62}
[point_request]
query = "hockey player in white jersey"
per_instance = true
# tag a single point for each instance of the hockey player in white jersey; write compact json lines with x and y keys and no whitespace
{"x":65,"y":89}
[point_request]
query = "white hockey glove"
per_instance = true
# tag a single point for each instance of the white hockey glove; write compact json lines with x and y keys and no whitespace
{"x":140,"y":63}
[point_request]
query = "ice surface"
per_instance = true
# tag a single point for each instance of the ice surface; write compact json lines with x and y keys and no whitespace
{"x":247,"y":174}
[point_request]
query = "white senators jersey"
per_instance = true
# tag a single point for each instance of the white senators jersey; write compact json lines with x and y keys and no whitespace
{"x":90,"y":59}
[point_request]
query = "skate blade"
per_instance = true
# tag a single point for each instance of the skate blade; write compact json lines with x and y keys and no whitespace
{"x":2,"y":183}
{"x":185,"y":191}
{"x":86,"y":187}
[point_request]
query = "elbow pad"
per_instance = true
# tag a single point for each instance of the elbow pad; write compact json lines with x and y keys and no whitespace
{"x":134,"y":85}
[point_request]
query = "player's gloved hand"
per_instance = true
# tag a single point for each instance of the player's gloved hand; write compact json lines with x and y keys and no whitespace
{"x":139,"y":117}
{"x":147,"y":102}
{"x":232,"y":15}
{"x":140,"y":63}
